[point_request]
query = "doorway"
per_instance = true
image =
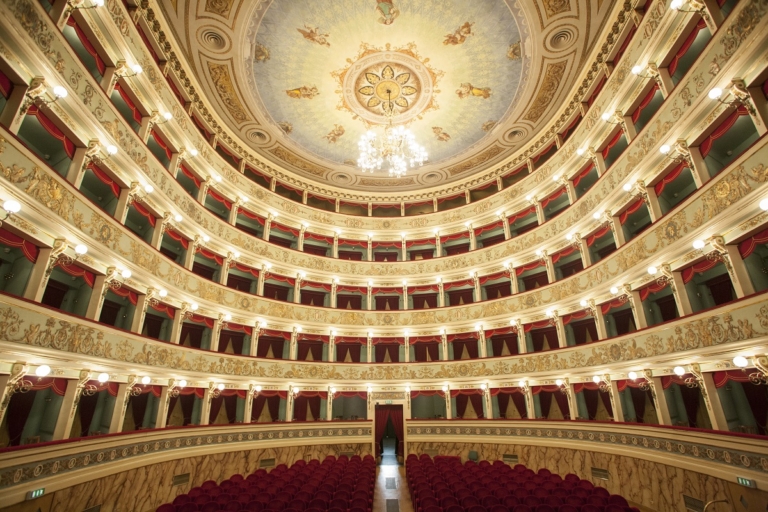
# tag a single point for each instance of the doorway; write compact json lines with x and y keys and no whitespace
{"x":389,"y":434}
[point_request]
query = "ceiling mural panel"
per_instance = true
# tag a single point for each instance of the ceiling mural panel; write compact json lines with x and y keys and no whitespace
{"x":333,"y":68}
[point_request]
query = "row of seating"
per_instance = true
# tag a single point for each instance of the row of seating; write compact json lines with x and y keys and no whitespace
{"x":447,"y":485}
{"x":335,"y":485}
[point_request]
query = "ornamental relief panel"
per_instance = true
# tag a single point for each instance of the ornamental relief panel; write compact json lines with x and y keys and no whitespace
{"x":22,"y":323}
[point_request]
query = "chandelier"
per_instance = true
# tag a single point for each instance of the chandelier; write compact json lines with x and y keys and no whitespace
{"x":397,"y":147}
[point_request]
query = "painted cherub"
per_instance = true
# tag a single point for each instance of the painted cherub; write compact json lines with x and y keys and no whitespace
{"x":334,"y":134}
{"x":467,"y":89}
{"x":387,"y":11}
{"x":303,"y":92}
{"x":313,"y":34}
{"x":459,"y":35}
{"x":440,"y":134}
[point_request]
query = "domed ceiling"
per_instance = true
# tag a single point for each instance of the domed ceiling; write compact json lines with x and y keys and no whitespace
{"x":301,"y":80}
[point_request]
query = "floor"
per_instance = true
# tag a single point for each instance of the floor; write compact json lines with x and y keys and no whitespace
{"x":391,"y":500}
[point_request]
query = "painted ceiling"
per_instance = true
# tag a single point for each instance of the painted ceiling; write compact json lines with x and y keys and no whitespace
{"x":323,"y":82}
{"x":298,"y":81}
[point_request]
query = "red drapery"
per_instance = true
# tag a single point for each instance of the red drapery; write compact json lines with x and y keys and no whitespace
{"x":624,"y":44}
{"x":605,"y":307}
{"x":6,"y":86}
{"x":267,"y":342}
{"x":562,"y":254}
{"x":272,"y":400}
{"x":220,"y":198}
{"x":543,"y":152}
{"x":136,"y":113}
{"x":653,"y":287}
{"x":521,"y":214}
{"x":77,"y":271}
{"x":147,"y":43}
{"x":565,"y":133}
{"x":29,"y":249}
{"x":353,"y":349}
{"x":53,"y":130}
{"x":176,"y":236}
{"x":320,"y":238}
{"x":244,"y":268}
{"x":749,"y":245}
{"x":556,"y":194}
{"x":458,"y":284}
{"x":189,"y":174}
{"x":383,"y":414}
{"x":528,"y":266}
{"x":698,"y":268}
{"x":105,"y":178}
{"x":162,"y":143}
{"x":503,"y":396}
{"x":309,"y":399}
{"x":206,"y":133}
{"x":236,"y":159}
{"x":382,"y":349}
{"x":706,"y":146}
{"x":583,"y":174}
{"x":632,"y":208}
{"x":100,"y":65}
{"x":489,"y":227}
{"x":612,"y":142}
{"x":144,"y":211}
{"x":597,"y":90}
{"x":463,"y":396}
{"x":686,"y":46}
{"x":669,"y":178}
{"x":250,"y":215}
{"x":132,"y":296}
{"x":456,"y":236}
{"x":210,"y":255}
{"x":645,"y":102}
{"x":164,"y":308}
{"x":591,"y":239}
{"x":354,"y":243}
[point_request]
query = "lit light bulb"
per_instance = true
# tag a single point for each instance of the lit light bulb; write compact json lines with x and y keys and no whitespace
{"x":559,"y":382}
{"x":569,"y":236}
{"x":178,"y":217}
{"x":206,"y":238}
{"x":163,"y":293}
{"x":80,"y":249}
{"x":637,"y":69}
{"x":60,"y":92}
{"x":627,"y":187}
{"x":580,"y":151}
{"x":182,"y":383}
{"x":193,"y":152}
{"x":221,"y":386}
{"x":112,"y":149}
{"x":126,"y":273}
{"x":597,"y":215}
{"x":167,"y":116}
{"x":583,"y":303}
{"x":333,"y":391}
{"x":42,"y":370}
{"x":665,"y":149}
{"x":676,"y":4}
{"x":193,"y":306}
{"x":679,"y":370}
{"x":445,"y":388}
{"x":407,"y":389}
{"x":103,"y":377}
{"x":136,"y":68}
{"x":483,"y":386}
{"x":528,"y":197}
{"x":556,"y":178}
{"x":596,"y":379}
{"x":236,"y":254}
{"x":715,"y":93}
{"x":764,"y":204}
{"x":146,"y":380}
{"x":258,"y":389}
{"x":227,"y":317}
{"x":149,"y":188}
{"x":522,"y":383}
{"x":606,"y":116}
{"x":632,"y":375}
{"x":12,"y":206}
{"x":740,"y":361}
{"x":652,"y":270}
{"x":614,"y":290}
{"x":698,"y":244}
{"x":98,"y":3}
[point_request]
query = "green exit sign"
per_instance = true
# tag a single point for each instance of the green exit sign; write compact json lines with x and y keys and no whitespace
{"x":746,"y":482}
{"x":31,"y":495}
{"x":388,"y":402}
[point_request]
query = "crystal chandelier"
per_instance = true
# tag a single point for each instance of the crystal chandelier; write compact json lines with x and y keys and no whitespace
{"x":397,"y":147}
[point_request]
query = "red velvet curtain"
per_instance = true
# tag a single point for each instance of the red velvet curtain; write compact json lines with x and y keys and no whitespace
{"x":353,"y":349}
{"x":638,"y":401}
{"x":498,"y":342}
{"x":757,"y":397}
{"x":383,"y":348}
{"x":545,"y":403}
{"x":461,"y":405}
{"x":477,"y":404}
{"x":216,"y":404}
{"x":187,"y":406}
{"x":384,"y":413}
{"x":272,"y":403}
{"x":262,"y":348}
{"x":29,"y":249}
{"x":562,"y":402}
{"x":85,"y":410}
{"x":538,"y":336}
{"x":591,"y":398}
{"x":422,"y":350}
{"x":691,"y":401}
{"x":237,"y":339}
{"x":17,"y":413}
{"x":469,"y":345}
{"x":304,"y":348}
{"x":139,"y":408}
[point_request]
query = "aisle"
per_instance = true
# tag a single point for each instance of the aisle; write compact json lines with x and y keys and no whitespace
{"x":397,"y":498}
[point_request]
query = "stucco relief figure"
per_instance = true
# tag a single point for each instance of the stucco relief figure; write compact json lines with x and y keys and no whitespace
{"x":440,"y":134}
{"x":303,"y":92}
{"x":387,"y":12}
{"x":514,"y":51}
{"x":285,"y":126}
{"x":259,"y":52}
{"x":488,"y":125}
{"x":466,"y":89}
{"x":334,"y":134}
{"x":313,"y":34}
{"x":459,"y":35}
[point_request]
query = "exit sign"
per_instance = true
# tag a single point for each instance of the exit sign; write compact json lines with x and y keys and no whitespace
{"x":746,"y":482}
{"x":31,"y":495}
{"x":388,"y":402}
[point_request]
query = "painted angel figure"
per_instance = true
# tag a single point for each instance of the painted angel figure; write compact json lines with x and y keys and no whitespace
{"x":467,"y":89}
{"x":334,"y":134}
{"x":303,"y":92}
{"x":459,"y":35}
{"x":387,"y":12}
{"x":440,"y":134}
{"x":313,"y":34}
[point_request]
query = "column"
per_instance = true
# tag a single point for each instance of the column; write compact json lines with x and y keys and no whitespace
{"x":760,"y":114}
{"x":260,"y":282}
{"x":681,"y":294}
{"x":369,"y":249}
{"x":224,"y":272}
{"x":368,"y":297}
{"x":404,"y":251}
{"x":334,"y":286}
{"x":476,"y":285}
{"x":711,"y":14}
{"x":573,"y":410}
{"x":659,"y":399}
{"x":203,"y":190}
{"x":267,"y":227}
{"x":617,"y":229}
{"x":616,"y":403}
{"x":407,"y":351}
{"x":448,"y":410}
{"x":405,"y":295}
{"x":335,"y":252}
{"x":332,"y":347}
{"x":159,"y":230}
{"x":638,"y":312}
{"x":505,"y":225}
{"x":481,"y":341}
{"x":586,"y":258}
{"x":739,"y":276}
{"x":76,"y":169}
{"x":697,"y":165}
{"x":597,"y":314}
{"x":711,"y":398}
{"x":443,"y":345}
{"x":38,"y":277}
{"x":175,"y":162}
{"x":488,"y":403}
{"x":205,"y":409}
{"x":164,"y":403}
{"x":140,"y":311}
{"x":289,"y":406}
{"x":178,"y":320}
{"x":549,"y":266}
{"x":93,"y":312}
{"x":292,"y":348}
{"x":440,"y":294}
{"x":232,"y":219}
{"x":218,"y":325}
{"x":513,"y":281}
{"x":297,"y":290}
{"x":125,"y":199}
{"x":146,"y":121}
{"x":530,"y":408}
{"x":599,"y":161}
{"x":189,"y":256}
{"x":69,"y":406}
{"x":329,"y":407}
{"x":522,"y":346}
{"x":121,"y":404}
{"x":368,"y":348}
{"x":16,"y":107}
{"x":562,"y":342}
{"x":438,"y":245}
{"x":570,"y":190}
{"x":472,"y":238}
{"x":652,"y":201}
{"x":248,"y":409}
{"x":628,"y":126}
{"x":300,"y":245}
{"x":539,"y":212}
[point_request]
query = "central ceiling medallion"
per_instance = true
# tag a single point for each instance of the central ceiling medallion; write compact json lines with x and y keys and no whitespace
{"x":380,"y":79}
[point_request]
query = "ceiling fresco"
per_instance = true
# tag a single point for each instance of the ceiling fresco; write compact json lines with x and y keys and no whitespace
{"x":299,"y":81}
{"x":321,"y":71}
